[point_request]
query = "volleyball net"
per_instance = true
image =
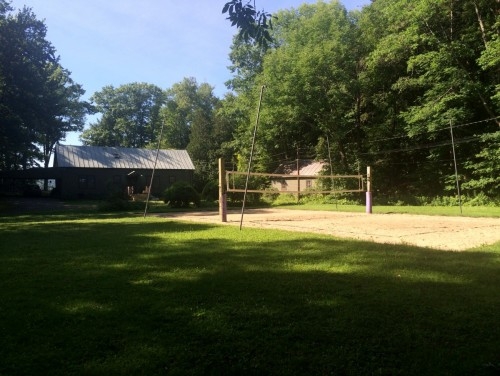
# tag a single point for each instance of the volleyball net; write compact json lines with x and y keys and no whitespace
{"x":293,"y":184}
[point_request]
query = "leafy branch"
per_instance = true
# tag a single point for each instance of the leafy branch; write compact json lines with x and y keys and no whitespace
{"x":253,"y":25}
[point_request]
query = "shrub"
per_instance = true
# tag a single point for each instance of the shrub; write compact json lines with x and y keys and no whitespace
{"x":181,"y":195}
{"x":344,"y":199}
{"x":444,"y":201}
{"x":210,"y":191}
{"x":481,"y":200}
{"x":270,"y":196}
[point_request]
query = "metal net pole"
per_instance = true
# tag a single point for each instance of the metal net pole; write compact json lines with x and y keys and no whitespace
{"x":251,"y":156}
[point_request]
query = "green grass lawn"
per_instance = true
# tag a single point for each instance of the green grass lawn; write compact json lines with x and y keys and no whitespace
{"x":102,"y":295}
{"x":467,"y":211}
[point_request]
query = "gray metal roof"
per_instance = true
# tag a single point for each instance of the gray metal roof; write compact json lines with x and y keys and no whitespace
{"x":116,"y":157}
{"x":306,"y":167}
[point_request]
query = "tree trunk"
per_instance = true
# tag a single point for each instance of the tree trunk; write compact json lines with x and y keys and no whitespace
{"x":481,"y":24}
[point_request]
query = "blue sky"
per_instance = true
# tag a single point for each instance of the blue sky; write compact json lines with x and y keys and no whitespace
{"x":116,"y":42}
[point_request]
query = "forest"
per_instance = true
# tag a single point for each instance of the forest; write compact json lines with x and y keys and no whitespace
{"x":408,"y":87}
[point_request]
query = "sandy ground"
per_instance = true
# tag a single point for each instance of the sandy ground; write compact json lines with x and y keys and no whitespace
{"x":446,"y":233}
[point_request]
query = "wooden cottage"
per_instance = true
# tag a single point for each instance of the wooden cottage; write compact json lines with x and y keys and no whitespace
{"x":299,"y":177}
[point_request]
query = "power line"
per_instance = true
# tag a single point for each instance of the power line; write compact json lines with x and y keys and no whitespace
{"x":435,"y":130}
{"x":426,"y":146}
{"x":277,"y":156}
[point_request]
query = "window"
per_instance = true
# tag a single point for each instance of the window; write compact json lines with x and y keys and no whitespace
{"x":309,"y":184}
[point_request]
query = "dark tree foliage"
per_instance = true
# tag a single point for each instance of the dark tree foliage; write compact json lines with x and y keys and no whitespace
{"x":253,"y":25}
{"x":130,"y":116}
{"x":39,"y":102}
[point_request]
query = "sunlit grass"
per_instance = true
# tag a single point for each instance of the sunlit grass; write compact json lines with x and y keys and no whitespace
{"x":468,"y":211}
{"x":103,"y":295}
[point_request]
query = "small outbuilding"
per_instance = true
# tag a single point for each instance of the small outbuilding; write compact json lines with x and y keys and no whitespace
{"x":299,"y":175}
{"x":97,"y":172}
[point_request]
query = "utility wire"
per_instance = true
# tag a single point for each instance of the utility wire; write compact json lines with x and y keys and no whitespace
{"x":434,"y":130}
{"x":422,"y":147}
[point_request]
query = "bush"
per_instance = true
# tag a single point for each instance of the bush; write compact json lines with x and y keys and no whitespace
{"x":270,"y":195}
{"x":181,"y":195}
{"x":252,"y":199}
{"x":211,"y":191}
{"x":402,"y":200}
{"x":345,"y":199}
{"x":481,"y":200}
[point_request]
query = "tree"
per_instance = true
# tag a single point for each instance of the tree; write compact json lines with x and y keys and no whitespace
{"x":228,"y":115}
{"x":489,"y":61}
{"x":423,"y":74}
{"x":201,"y":144}
{"x":246,"y":59}
{"x":188,"y":116}
{"x":311,"y":83}
{"x":485,"y":169}
{"x":39,"y":102}
{"x":130,"y":116}
{"x":211,"y":138}
{"x":185,"y":101}
{"x":61,"y":110}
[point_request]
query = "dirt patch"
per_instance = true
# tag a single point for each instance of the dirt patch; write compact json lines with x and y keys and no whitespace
{"x":446,"y":233}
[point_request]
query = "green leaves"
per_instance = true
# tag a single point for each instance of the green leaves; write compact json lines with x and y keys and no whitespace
{"x":130,"y":116}
{"x":252,"y":25}
{"x":382,"y":84}
{"x":311,"y":79}
{"x":485,"y":170}
{"x":38,"y":99}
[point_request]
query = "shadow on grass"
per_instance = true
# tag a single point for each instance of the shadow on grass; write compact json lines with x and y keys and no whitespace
{"x":97,"y":297}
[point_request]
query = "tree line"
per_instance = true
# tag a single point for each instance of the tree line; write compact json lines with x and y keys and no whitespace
{"x":381,"y":87}
{"x":384,"y":86}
